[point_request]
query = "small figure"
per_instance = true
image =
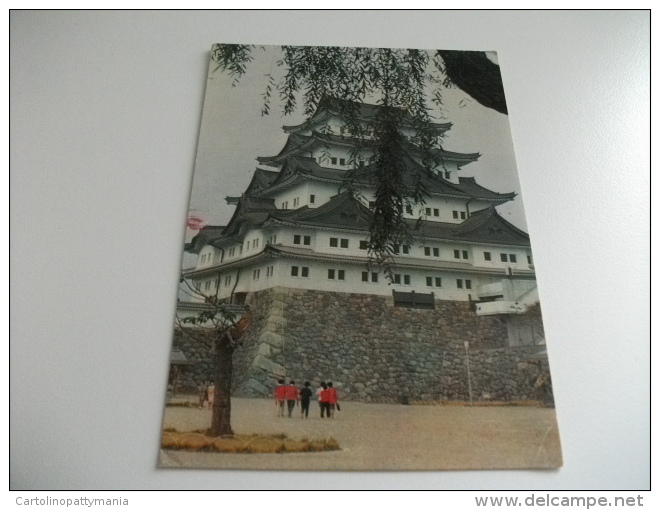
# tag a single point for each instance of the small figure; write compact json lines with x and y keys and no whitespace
{"x":210,"y":395}
{"x":324,"y":401}
{"x":202,"y":389}
{"x":280,"y":397}
{"x":332,"y":400}
{"x":305,"y":397}
{"x":291,"y":396}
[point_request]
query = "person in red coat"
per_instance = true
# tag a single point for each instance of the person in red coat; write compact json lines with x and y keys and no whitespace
{"x":280,"y":397}
{"x":291,"y":396}
{"x":332,"y":400}
{"x":324,"y":400}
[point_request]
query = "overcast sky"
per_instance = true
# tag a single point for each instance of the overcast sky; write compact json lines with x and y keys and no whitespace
{"x":233,"y":133}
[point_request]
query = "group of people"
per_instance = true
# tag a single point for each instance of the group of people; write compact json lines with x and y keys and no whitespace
{"x":290,"y":395}
{"x":206,"y":393}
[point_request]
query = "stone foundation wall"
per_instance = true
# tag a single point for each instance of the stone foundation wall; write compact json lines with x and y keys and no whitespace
{"x":375,"y":352}
{"x":371,"y":350}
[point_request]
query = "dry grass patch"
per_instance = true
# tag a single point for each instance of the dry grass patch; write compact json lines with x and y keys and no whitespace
{"x":278,"y":443}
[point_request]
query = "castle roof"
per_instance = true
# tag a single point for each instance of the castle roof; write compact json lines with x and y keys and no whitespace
{"x":205,"y":236}
{"x":342,"y":211}
{"x":303,"y":145}
{"x":297,"y":168}
{"x":329,"y":106}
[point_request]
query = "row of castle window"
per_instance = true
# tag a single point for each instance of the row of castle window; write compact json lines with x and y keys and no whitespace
{"x":336,"y":242}
{"x":341,"y":161}
{"x":340,"y":275}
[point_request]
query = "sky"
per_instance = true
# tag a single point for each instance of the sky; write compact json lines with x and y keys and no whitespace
{"x":233,"y":133}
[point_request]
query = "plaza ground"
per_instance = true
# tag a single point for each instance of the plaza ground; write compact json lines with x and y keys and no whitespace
{"x":383,"y":437}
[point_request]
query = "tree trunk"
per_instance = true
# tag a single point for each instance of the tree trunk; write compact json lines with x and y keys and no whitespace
{"x":221,"y":420}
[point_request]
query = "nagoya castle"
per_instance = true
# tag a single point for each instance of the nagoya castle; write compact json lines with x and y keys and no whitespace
{"x":296,"y":250}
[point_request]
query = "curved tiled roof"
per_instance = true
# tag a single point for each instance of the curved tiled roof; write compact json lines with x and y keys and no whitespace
{"x":329,"y":105}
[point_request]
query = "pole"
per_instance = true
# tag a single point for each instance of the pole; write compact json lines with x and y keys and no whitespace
{"x":467,"y":359}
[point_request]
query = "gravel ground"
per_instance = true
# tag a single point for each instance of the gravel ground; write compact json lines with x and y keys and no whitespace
{"x":384,"y":437}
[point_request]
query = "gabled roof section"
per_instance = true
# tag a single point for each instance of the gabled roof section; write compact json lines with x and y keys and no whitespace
{"x":470,"y":186}
{"x":332,"y":106}
{"x":300,"y":145}
{"x":488,"y":226}
{"x":261,"y":180}
{"x":205,"y":236}
{"x":341,"y":211}
{"x":249,"y":211}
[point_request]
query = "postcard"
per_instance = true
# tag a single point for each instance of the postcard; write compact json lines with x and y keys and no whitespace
{"x":358,"y":288}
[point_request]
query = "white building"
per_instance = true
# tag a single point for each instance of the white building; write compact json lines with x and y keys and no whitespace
{"x":297,"y":225}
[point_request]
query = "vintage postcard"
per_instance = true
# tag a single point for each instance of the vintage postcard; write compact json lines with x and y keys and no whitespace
{"x":358,"y":289}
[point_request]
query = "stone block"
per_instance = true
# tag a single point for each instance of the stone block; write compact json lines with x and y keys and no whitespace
{"x":268,"y":366}
{"x":271,"y":338}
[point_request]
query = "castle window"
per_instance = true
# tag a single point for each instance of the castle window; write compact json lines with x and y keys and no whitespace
{"x":436,"y":252}
{"x":409,"y":209}
{"x":487,"y":256}
{"x":447,"y":174}
{"x":296,"y":239}
{"x":397,"y":279}
{"x":207,"y":285}
{"x":427,"y":251}
{"x":269,"y":271}
{"x":367,"y":278}
{"x":312,"y":199}
{"x":512,"y":258}
{"x":406,"y":249}
{"x":342,"y":161}
{"x":334,"y":242}
{"x":364,"y":245}
{"x":303,"y":272}
{"x":529,"y":259}
{"x":227,"y":281}
{"x":460,"y":283}
{"x":504,"y":257}
{"x":372,"y":205}
{"x":336,"y":274}
{"x":296,"y":201}
{"x":463,"y":215}
{"x":454,"y":214}
{"x":457,"y":254}
{"x":436,"y":213}
{"x":428,"y":211}
{"x":256,"y":273}
{"x":307,"y":240}
{"x":465,"y":254}
{"x":343,"y":243}
{"x":272,"y":240}
{"x":436,"y":281}
{"x":232,"y":251}
{"x":333,"y":161}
